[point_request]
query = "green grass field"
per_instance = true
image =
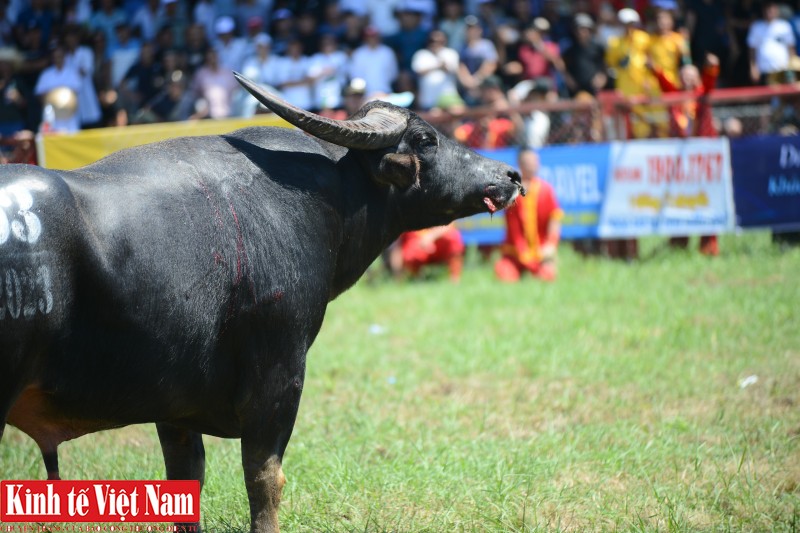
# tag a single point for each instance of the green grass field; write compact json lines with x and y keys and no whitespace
{"x":609,"y":401}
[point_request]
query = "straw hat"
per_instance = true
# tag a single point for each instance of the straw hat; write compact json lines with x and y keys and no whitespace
{"x":64,"y":101}
{"x":11,"y":55}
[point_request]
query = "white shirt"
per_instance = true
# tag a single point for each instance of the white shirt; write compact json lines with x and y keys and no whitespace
{"x":771,"y":42}
{"x":537,"y":129}
{"x":82,"y":60}
{"x":376,"y":66}
{"x":328,"y":89}
{"x":439,"y":81}
{"x":261,"y":71}
{"x":122,"y":59}
{"x":52,"y":78}
{"x":288,"y":69}
{"x":232,"y":53}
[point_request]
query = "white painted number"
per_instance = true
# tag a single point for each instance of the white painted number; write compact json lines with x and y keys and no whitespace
{"x":25,"y":292}
{"x":16,"y":217}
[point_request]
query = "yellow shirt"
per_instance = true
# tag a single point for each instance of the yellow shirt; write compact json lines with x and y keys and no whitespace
{"x":627,"y":55}
{"x":667,"y":53}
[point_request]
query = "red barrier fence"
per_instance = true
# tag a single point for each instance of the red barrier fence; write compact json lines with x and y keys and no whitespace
{"x":737,"y":112}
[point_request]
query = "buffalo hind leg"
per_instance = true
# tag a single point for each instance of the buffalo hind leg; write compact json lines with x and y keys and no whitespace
{"x":50,"y":456}
{"x":184,"y":458}
{"x":264,"y":440}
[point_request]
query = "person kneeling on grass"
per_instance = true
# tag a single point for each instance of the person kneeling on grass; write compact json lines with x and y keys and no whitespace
{"x":440,"y":245}
{"x":533,"y":227}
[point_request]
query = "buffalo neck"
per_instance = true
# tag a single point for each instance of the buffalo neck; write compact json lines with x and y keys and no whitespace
{"x":371,"y":222}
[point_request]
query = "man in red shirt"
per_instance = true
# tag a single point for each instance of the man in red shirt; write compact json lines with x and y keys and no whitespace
{"x":533,"y":227}
{"x":692,"y":119}
{"x":440,"y":245}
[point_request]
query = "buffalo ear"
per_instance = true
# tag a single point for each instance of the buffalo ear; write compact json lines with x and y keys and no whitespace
{"x":400,"y":170}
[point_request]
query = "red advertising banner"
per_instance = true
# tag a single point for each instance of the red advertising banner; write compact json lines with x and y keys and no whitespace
{"x":99,"y":501}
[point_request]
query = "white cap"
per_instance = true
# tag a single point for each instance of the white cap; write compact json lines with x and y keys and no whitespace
{"x":224,"y":25}
{"x":262,"y":39}
{"x":628,"y":16}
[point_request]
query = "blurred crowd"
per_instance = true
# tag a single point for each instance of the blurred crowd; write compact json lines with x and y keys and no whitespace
{"x":72,"y":64}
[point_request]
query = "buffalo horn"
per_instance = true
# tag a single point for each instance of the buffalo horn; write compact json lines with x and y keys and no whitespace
{"x":379,"y":128}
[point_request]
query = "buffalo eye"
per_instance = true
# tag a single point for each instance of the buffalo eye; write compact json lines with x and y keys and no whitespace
{"x":427,"y":142}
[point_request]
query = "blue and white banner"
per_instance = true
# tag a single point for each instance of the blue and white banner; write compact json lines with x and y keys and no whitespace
{"x":766,"y":182}
{"x":668,"y":187}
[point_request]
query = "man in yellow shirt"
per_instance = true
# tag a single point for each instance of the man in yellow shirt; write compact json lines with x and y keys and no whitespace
{"x":627,"y":56}
{"x":668,"y":52}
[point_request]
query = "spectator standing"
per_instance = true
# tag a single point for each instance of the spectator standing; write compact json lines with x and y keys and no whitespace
{"x":743,"y":14}
{"x":123,"y":53}
{"x":627,"y":57}
{"x":533,"y":227}
{"x":308,"y":32}
{"x":498,"y":129}
{"x":354,"y":96}
{"x":145,"y":20}
{"x":332,"y":20}
{"x":172,"y":103}
{"x":253,"y":27}
{"x":710,"y":33}
{"x":478,"y":60}
{"x":539,"y":57}
{"x":81,"y":58}
{"x":12,"y":94}
{"x":205,"y":14}
{"x":453,"y":24}
{"x":693,"y":119}
{"x":584,"y":61}
{"x":380,"y":14}
{"x":536,"y":122}
{"x":259,"y":67}
{"x":772,"y":46}
{"x":213,"y":87}
{"x":106,"y":92}
{"x":410,"y":38}
{"x":375,"y":63}
{"x":142,"y":81}
{"x":353,"y":31}
{"x":34,"y":60}
{"x":292,"y":76}
{"x":196,"y":47}
{"x":668,"y":49}
{"x":491,"y":17}
{"x":328,"y":70}
{"x":174,"y":15}
{"x":231,"y":49}
{"x":608,"y":26}
{"x":106,"y":19}
{"x":436,"y":67}
{"x":40,"y":14}
{"x":560,"y":22}
{"x":6,"y":26}
{"x":282,"y":30}
{"x":58,"y":87}
{"x":249,"y":10}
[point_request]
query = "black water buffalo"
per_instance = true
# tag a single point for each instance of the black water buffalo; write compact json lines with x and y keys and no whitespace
{"x":183,"y":282}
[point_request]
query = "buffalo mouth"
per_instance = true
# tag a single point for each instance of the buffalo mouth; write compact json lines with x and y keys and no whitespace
{"x":496,"y":197}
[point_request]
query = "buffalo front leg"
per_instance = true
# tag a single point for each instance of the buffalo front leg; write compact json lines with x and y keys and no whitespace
{"x":184,"y":457}
{"x":263,"y":443}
